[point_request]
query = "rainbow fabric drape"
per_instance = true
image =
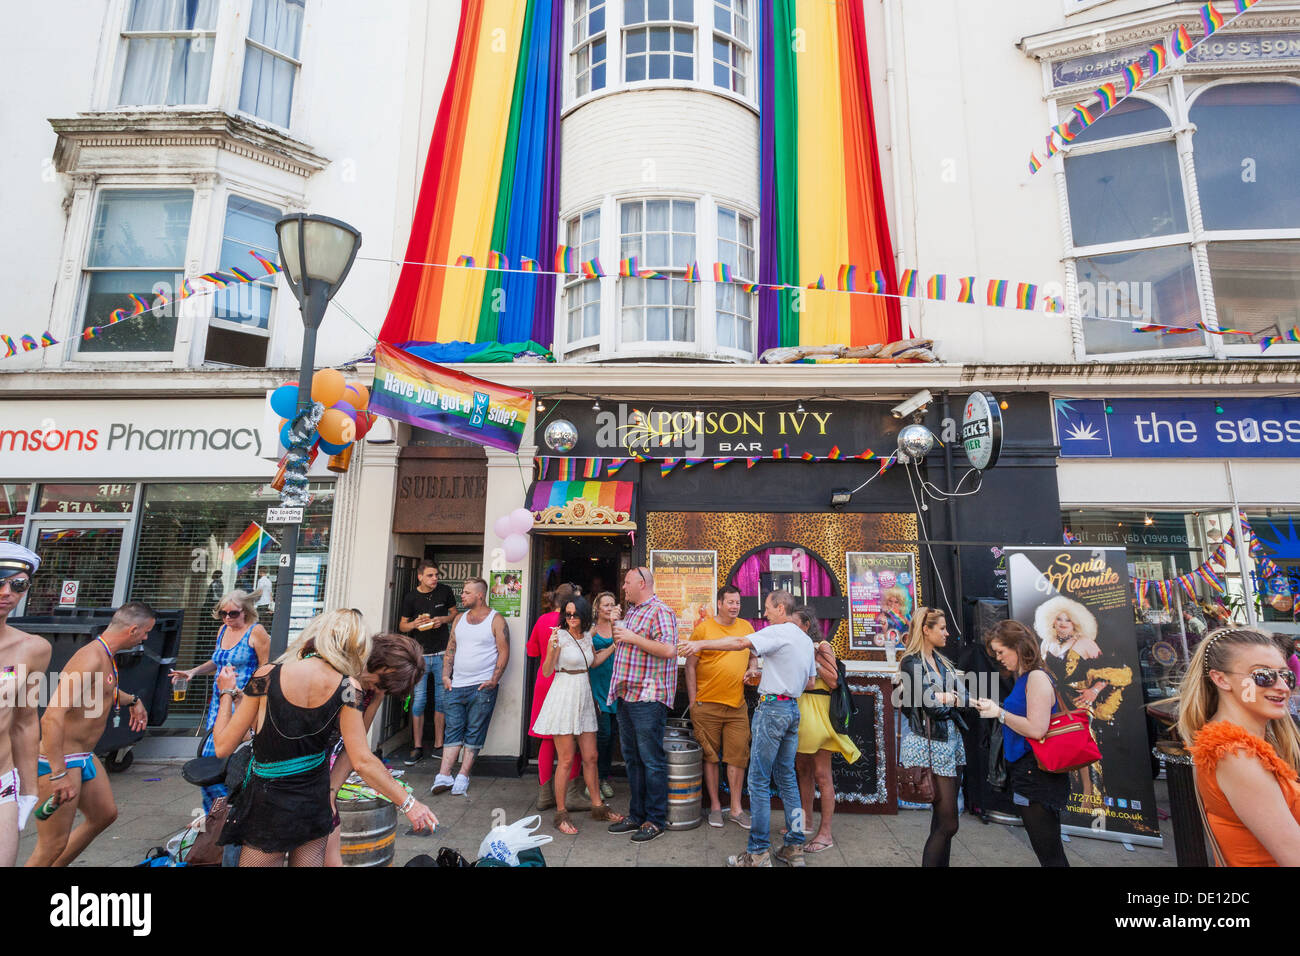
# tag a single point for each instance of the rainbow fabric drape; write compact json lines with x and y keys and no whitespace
{"x":490,"y":182}
{"x":822,"y":204}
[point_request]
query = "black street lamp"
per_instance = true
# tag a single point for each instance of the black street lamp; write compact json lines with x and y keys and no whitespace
{"x":316,"y":254}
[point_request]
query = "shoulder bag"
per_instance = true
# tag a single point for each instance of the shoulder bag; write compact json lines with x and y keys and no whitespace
{"x":843,"y":708}
{"x":916,"y":784}
{"x":1068,"y":743}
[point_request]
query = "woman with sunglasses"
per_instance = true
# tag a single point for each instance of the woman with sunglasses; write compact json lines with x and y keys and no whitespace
{"x":1233,"y":717}
{"x":243,"y":644}
{"x":568,"y":716}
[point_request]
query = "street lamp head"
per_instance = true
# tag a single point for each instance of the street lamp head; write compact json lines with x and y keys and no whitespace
{"x":316,"y":252}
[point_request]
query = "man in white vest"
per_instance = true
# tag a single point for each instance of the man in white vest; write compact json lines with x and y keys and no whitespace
{"x":476,"y":658}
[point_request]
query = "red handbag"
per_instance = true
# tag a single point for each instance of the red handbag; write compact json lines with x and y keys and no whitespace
{"x":1068,"y":743}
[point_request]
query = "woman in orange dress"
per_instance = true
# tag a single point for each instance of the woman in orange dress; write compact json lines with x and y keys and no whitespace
{"x":1233,"y":716}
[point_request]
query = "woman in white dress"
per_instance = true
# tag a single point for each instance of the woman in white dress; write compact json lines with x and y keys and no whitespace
{"x":568,"y":715}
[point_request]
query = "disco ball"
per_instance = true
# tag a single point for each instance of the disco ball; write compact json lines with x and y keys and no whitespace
{"x":915,"y":441}
{"x":561,"y":436}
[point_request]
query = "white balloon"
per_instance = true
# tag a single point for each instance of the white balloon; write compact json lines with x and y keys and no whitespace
{"x":521,"y":521}
{"x":501,"y":527}
{"x":516,"y":547}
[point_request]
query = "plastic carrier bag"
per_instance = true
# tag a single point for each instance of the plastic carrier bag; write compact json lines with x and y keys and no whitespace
{"x":504,"y":844}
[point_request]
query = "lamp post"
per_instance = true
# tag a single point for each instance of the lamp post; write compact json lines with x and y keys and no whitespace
{"x":315,"y":254}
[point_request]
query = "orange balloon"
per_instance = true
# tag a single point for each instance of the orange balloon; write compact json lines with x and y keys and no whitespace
{"x":337,"y":427}
{"x":327,"y":387}
{"x":360,"y":397}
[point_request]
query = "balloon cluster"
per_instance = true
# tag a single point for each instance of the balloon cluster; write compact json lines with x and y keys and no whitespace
{"x":513,"y":530}
{"x":343,"y":418}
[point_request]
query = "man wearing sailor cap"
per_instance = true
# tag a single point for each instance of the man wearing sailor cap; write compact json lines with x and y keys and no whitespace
{"x":21,"y":654}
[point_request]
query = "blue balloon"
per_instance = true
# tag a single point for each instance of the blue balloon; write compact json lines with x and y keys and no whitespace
{"x":284,"y":434}
{"x":332,"y":449}
{"x":284,"y":400}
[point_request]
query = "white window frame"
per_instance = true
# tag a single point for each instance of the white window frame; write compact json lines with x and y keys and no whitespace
{"x":1171,"y":96}
{"x":587,"y":43}
{"x":219,"y":222}
{"x":736,"y":44}
{"x":735,"y":317}
{"x":646,"y":26}
{"x":577,"y":283}
{"x":110,"y":98}
{"x":247,"y":41}
{"x":673,"y":272}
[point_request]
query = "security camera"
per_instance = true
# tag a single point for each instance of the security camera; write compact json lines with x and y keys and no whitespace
{"x":916,"y":403}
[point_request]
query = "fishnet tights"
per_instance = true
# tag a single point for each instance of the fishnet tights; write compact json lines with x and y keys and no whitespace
{"x":309,"y":854}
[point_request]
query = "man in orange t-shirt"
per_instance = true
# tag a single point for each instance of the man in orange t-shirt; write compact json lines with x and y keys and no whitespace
{"x":715,"y":686}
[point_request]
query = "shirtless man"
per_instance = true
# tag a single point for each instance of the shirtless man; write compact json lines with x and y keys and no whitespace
{"x":23,"y":659}
{"x":86,"y":697}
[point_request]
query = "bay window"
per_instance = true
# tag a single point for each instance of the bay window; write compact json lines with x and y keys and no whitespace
{"x":589,"y":46}
{"x":661,"y":234}
{"x":582,"y":296}
{"x":735,"y":307}
{"x":658,"y":40}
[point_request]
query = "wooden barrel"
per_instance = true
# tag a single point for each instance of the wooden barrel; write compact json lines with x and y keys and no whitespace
{"x":685,"y":782}
{"x":368,"y":832}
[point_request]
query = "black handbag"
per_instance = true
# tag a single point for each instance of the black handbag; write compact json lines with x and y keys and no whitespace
{"x":205,"y":771}
{"x":843,"y":708}
{"x":997,"y":776}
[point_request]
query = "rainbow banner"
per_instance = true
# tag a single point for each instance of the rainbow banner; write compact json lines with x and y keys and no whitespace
{"x":250,"y":544}
{"x":409,"y":389}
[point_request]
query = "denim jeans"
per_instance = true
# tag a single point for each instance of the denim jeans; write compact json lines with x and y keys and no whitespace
{"x":469,"y":710}
{"x":606,"y":731}
{"x":641,"y":735}
{"x":771,"y":757}
{"x":420,"y":695}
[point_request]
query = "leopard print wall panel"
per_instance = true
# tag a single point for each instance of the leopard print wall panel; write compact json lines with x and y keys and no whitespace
{"x":828,"y":535}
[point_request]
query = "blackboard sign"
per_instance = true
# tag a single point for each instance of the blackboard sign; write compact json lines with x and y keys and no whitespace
{"x":868,"y":786}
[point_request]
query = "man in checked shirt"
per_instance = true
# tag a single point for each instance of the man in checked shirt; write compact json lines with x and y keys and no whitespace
{"x":643,"y":685}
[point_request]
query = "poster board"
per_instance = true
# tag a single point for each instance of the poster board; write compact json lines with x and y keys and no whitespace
{"x":1079,"y":604}
{"x":882,"y":594}
{"x":505,"y":592}
{"x":685,"y":581}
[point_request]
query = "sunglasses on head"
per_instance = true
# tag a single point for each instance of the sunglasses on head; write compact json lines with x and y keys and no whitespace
{"x":16,"y":584}
{"x":1267,"y":676}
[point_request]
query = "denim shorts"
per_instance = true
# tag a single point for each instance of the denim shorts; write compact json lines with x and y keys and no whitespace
{"x":469,"y":710}
{"x":432,"y":679}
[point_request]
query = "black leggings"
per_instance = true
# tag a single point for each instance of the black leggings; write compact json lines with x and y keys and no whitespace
{"x":943,"y":822}
{"x":1043,"y":825}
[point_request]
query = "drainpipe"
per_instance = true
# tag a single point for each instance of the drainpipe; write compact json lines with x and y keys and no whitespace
{"x":959,"y":594}
{"x":1243,"y":550}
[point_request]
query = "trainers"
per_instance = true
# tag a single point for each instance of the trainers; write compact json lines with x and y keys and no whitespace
{"x":645,"y":833}
{"x":461,"y":786}
{"x":750,"y":859}
{"x":414,"y":757}
{"x":740,"y":819}
{"x":715,"y":819}
{"x":606,"y":789}
{"x":791,"y":854}
{"x":623,"y":826}
{"x":441,"y":784}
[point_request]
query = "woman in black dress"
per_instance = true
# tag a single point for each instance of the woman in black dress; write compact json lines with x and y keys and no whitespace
{"x":299,"y":707}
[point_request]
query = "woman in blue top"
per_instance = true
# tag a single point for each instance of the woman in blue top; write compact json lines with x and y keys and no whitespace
{"x":1039,"y":796}
{"x":602,"y":636}
{"x":243,"y":644}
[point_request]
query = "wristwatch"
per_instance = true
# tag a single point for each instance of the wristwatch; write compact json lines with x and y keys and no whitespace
{"x":1002,"y":715}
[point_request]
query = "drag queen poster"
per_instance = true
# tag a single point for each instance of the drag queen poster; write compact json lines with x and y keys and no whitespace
{"x":1078,"y":602}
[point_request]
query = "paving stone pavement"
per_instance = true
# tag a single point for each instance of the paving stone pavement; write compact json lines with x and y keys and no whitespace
{"x":154,"y":802}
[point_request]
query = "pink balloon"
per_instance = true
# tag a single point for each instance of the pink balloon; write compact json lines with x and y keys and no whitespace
{"x":521,"y":521}
{"x":516,"y":547}
{"x":501,"y":527}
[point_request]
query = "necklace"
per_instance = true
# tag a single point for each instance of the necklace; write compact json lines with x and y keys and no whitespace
{"x":112,"y":661}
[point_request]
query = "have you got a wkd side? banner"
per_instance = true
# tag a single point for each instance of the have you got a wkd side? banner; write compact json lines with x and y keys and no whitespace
{"x":409,"y":389}
{"x":1079,"y":604}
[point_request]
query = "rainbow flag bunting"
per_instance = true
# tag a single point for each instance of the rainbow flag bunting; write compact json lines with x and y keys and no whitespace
{"x":627,"y":268}
{"x":591,"y":269}
{"x":937,"y":287}
{"x":1108,"y":96}
{"x":1052,"y":148}
{"x":10,"y":348}
{"x":1065,"y":132}
{"x":566,"y":261}
{"x":751,"y":462}
{"x":819,"y":284}
{"x":639,"y":458}
{"x":834,"y":453}
{"x":1212,"y":19}
{"x":89,"y":333}
{"x":216,"y":278}
{"x":566,"y":469}
{"x":1290,"y":335}
{"x":591,"y":467}
{"x":250,"y":544}
{"x":866,"y":455}
{"x":966,"y":290}
{"x":615,"y":464}
{"x":877,"y":281}
{"x":808,"y":456}
{"x":248,"y":276}
{"x":1053,"y":303}
{"x":667,"y":465}
{"x":270,"y":267}
{"x":1157,"y":58}
{"x":846,"y":278}
{"x":780,"y":454}
{"x":29,"y":343}
{"x":1035,"y":164}
{"x":140,"y":307}
{"x":527,"y":265}
{"x":692,"y":272}
{"x":1133,"y":77}
{"x":1086,"y":118}
{"x":465,"y":262}
{"x":721,"y":272}
{"x":692,"y":462}
{"x":187,"y":290}
{"x":1241,"y":6}
{"x":496,"y":260}
{"x":651,"y":274}
{"x":907,"y":283}
{"x":722,"y":463}
{"x":1205,"y":328}
{"x":1026,"y":295}
{"x":997,"y":292}
{"x":1180,"y":42}
{"x":47,"y":340}
{"x":748,"y":287}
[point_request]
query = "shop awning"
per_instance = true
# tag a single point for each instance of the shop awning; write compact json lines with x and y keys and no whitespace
{"x":584,"y":505}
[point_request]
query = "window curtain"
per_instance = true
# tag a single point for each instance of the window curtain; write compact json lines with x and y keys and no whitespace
{"x":267,"y":89}
{"x":162,"y":71}
{"x":816,"y":580}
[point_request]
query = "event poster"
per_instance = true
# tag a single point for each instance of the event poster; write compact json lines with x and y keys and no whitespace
{"x":686,"y":581}
{"x":1078,"y":602}
{"x":882,"y":594}
{"x":505,"y":593}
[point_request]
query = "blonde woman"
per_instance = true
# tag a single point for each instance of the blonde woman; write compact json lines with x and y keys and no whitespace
{"x":298,"y":707}
{"x":243,"y":644}
{"x":1233,"y":717}
{"x":932,"y":734}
